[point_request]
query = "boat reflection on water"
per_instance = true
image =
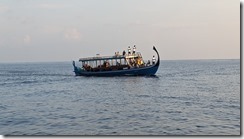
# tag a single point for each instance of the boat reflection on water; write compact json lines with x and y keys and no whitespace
{"x":117,"y":65}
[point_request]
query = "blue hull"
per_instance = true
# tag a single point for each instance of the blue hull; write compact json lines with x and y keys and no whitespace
{"x":144,"y":71}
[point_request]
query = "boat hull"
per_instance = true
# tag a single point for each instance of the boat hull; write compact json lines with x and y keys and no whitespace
{"x":143,"y":71}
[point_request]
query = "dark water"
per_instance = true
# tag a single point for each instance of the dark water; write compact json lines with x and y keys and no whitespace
{"x":198,"y":97}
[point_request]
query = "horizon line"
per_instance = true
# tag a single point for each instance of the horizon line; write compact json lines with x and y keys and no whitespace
{"x":76,"y":61}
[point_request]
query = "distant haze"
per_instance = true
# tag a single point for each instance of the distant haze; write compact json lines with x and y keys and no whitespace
{"x":65,"y":30}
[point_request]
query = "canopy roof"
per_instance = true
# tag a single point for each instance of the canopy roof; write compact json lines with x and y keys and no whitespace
{"x":107,"y":57}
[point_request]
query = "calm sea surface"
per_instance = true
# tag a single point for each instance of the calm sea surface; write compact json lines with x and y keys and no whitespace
{"x":192,"y":97}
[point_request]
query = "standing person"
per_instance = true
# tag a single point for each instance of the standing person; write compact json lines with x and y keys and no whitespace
{"x":129,"y":50}
{"x":134,"y":49}
{"x":153,"y":60}
{"x":124,"y":53}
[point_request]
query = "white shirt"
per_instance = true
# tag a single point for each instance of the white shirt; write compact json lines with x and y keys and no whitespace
{"x":153,"y":59}
{"x":128,"y":49}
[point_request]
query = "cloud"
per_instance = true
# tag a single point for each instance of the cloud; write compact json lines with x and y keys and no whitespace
{"x":52,"y":6}
{"x":73,"y":34}
{"x":3,"y":8}
{"x":27,"y":39}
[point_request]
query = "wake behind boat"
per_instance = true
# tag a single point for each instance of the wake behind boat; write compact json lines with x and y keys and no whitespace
{"x":130,"y":64}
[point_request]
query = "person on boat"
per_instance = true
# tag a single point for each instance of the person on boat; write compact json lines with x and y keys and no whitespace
{"x":134,"y":62}
{"x":124,"y":53}
{"x":153,"y":60}
{"x":148,"y":63}
{"x":107,"y":64}
{"x":129,"y":50}
{"x":104,"y":64}
{"x":134,"y":49}
{"x":130,"y":62}
{"x":87,"y":67}
{"x":140,"y":62}
{"x":116,"y":53}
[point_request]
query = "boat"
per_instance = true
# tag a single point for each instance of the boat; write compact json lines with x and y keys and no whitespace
{"x":117,"y":65}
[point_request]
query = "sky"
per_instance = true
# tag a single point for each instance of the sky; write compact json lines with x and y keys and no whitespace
{"x":66,"y":30}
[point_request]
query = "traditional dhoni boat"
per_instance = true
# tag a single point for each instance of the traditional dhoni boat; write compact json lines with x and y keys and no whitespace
{"x":117,"y":65}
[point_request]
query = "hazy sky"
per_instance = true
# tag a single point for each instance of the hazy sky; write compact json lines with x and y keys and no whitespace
{"x":65,"y":30}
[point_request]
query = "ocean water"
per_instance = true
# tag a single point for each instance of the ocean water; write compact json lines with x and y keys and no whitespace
{"x":187,"y":97}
